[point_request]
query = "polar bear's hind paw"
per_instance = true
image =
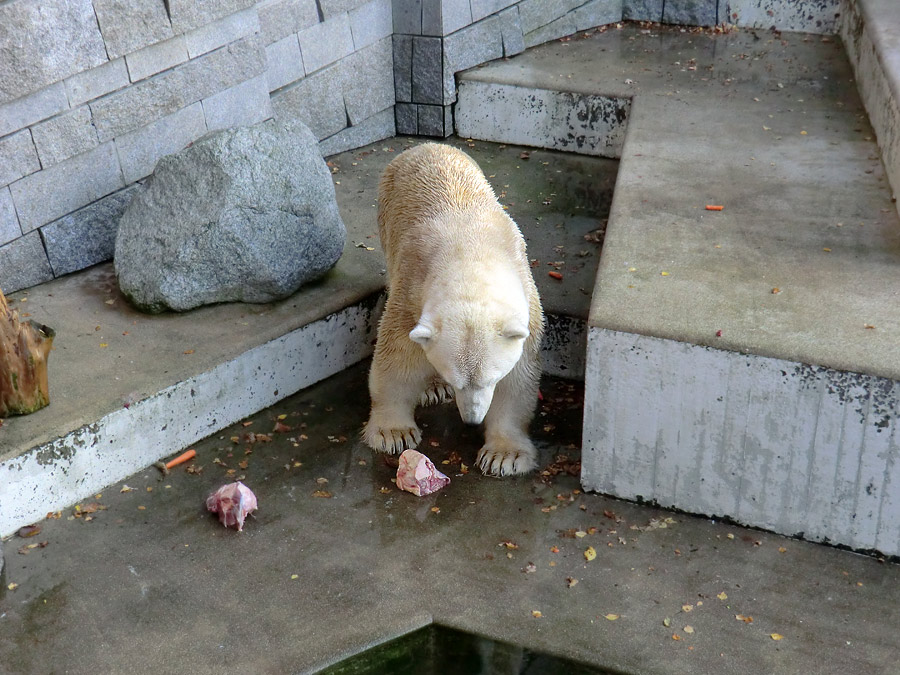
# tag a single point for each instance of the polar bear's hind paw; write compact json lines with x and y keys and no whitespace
{"x":437,"y":392}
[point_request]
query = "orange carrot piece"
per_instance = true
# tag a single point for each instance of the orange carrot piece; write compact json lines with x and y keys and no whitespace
{"x":713,"y":207}
{"x":555,"y":275}
{"x":182,"y":458}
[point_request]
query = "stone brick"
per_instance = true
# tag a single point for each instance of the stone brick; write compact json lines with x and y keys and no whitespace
{"x":23,"y":264}
{"x":468,"y":48}
{"x":170,"y":91}
{"x":221,"y":32}
{"x":128,"y":26}
{"x":139,"y":104}
{"x":64,"y":136}
{"x":87,"y":236}
{"x":564,"y":25}
{"x":18,"y":157}
{"x":325,"y":43}
{"x":45,"y":42}
{"x":284,"y":64}
{"x":240,"y":106}
{"x":427,"y":69}
{"x":536,"y":13}
{"x":432,"y":121}
{"x":407,"y":16}
{"x":367,"y":81}
{"x":96,"y":82}
{"x":597,"y":13}
{"x":280,"y":18}
{"x":316,"y":100}
{"x":690,"y":12}
{"x":140,"y":150}
{"x":371,"y":23}
{"x":187,"y":15}
{"x":33,"y":108}
{"x":455,"y":14}
{"x":432,"y":22}
{"x":377,"y":127}
{"x":406,"y":117}
{"x":332,"y":8}
{"x":64,"y":187}
{"x":156,"y":58}
{"x":511,"y":31}
{"x":483,"y":8}
{"x":403,"y":67}
{"x":224,"y":68}
{"x":9,"y":223}
{"x":642,"y":10}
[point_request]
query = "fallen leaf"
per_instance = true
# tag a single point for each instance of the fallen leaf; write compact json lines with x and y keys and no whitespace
{"x":580,"y":534}
{"x":324,"y":494}
{"x":188,"y":351}
{"x":322,"y":481}
{"x":295,"y":576}
{"x":529,"y":568}
{"x":687,"y":608}
{"x":281,"y":428}
{"x":571,"y":581}
{"x":689,"y":630}
{"x":782,"y":549}
{"x":776,"y":636}
{"x":745,"y":619}
{"x":554,"y":549}
{"x":611,"y":617}
{"x":590,"y":553}
{"x":722,"y":596}
{"x":12,"y":586}
{"x":667,"y":622}
{"x":508,"y":544}
{"x":435,"y":509}
{"x":29,"y":531}
{"x":536,"y":613}
{"x":244,"y":464}
{"x":675,"y":636}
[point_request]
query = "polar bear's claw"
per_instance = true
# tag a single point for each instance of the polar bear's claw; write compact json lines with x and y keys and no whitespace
{"x":502,"y":459}
{"x":392,"y":441}
{"x":437,"y":392}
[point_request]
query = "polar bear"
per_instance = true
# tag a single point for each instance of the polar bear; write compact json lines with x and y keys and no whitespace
{"x":463,"y":318}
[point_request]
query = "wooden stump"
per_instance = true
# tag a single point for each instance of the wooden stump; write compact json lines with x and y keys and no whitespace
{"x":24,"y":349}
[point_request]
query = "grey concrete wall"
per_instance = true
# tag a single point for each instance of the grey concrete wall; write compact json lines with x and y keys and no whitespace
{"x":94,"y":92}
{"x":870,"y":30}
{"x":788,"y":447}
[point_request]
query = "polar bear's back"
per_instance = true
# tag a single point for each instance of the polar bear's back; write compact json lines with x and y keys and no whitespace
{"x":428,"y":182}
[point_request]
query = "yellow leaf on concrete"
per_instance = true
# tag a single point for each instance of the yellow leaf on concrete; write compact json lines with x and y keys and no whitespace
{"x":722,"y":596}
{"x":611,"y":617}
{"x":590,"y":553}
{"x":776,"y":636}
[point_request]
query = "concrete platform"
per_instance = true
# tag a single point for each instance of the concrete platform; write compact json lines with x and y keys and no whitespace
{"x":783,"y":415}
{"x":128,"y":389}
{"x":153,"y":584}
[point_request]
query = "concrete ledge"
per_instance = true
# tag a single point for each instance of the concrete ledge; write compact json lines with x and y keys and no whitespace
{"x":870,"y":30}
{"x":55,"y":474}
{"x":559,"y":120}
{"x":795,"y":449}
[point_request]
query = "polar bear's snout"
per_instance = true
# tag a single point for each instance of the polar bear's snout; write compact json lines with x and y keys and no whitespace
{"x":474,"y":403}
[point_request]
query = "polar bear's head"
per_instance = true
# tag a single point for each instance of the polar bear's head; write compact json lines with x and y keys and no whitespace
{"x":472,"y":348}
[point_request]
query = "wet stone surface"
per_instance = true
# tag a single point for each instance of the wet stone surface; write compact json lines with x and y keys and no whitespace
{"x":143,"y":579}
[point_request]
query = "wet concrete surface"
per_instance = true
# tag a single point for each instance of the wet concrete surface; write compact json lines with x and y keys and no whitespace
{"x":141,"y":579}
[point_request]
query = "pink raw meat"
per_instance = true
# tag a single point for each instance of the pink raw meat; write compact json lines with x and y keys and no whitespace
{"x":417,"y":474}
{"x":233,"y":502}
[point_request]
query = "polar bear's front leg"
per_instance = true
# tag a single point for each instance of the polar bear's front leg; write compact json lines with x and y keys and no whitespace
{"x":395,"y":392}
{"x":507,"y":449}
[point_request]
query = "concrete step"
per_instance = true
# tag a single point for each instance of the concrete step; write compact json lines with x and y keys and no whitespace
{"x":128,"y":389}
{"x":742,"y":363}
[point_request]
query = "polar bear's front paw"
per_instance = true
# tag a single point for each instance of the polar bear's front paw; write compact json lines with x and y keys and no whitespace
{"x":506,"y":457}
{"x":392,"y":439}
{"x":438,"y":392}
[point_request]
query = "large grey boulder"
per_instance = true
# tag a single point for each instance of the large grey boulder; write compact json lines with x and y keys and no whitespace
{"x":243,"y":214}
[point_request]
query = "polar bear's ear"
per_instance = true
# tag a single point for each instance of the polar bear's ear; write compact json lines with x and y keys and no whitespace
{"x":514,"y":331}
{"x":421,"y":334}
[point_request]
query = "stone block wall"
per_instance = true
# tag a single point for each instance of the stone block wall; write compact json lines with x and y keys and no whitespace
{"x":94,"y":92}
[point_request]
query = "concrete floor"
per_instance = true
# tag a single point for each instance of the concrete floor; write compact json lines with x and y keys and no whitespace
{"x":152,"y":583}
